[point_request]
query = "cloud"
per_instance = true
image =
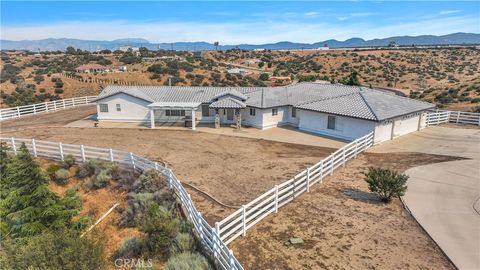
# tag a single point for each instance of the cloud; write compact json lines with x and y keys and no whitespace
{"x":446,"y":12}
{"x":311,"y":13}
{"x":253,"y":32}
{"x":356,"y":14}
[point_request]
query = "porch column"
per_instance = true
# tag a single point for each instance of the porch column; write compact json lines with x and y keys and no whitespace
{"x":238,"y":114}
{"x":193,"y":119}
{"x":152,"y":118}
{"x":217,"y":118}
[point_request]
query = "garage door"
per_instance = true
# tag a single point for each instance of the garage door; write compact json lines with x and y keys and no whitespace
{"x":405,"y":126}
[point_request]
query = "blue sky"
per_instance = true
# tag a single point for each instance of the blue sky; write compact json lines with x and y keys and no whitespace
{"x":235,"y":22}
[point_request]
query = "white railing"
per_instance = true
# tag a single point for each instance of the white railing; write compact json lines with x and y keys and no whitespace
{"x":248,"y":215}
{"x":208,"y":236}
{"x":50,"y":106}
{"x":441,"y":116}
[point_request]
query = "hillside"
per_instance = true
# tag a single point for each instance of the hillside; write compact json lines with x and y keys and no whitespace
{"x":446,"y":77}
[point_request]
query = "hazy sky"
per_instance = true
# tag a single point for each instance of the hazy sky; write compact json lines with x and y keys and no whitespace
{"x":235,"y":22}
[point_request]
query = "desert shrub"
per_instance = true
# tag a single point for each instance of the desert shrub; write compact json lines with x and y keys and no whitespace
{"x":58,"y":90}
{"x":161,"y":227}
{"x":98,"y":180}
{"x":187,"y":261}
{"x":137,"y":206}
{"x":93,"y":167}
{"x":149,"y":181}
{"x":61,"y":176}
{"x":386,"y":183}
{"x":183,"y":242}
{"x":51,"y":171}
{"x":263,"y":76}
{"x":68,"y":161}
{"x":131,"y":247}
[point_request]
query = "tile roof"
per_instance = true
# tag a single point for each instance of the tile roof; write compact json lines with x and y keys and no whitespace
{"x":338,"y":99}
{"x":228,"y":102}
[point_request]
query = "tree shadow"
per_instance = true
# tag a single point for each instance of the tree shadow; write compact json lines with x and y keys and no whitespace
{"x":361,"y":196}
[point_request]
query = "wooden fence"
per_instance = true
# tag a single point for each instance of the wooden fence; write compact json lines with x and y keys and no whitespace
{"x":441,"y":116}
{"x":50,"y":106}
{"x":248,"y":215}
{"x":208,"y":236}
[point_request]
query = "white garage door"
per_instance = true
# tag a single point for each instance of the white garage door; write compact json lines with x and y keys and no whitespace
{"x":405,"y":125}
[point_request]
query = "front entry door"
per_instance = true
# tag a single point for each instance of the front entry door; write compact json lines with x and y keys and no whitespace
{"x":229,"y":114}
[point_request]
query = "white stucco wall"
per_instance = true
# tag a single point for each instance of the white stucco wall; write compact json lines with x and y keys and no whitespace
{"x":132,"y":109}
{"x":383,"y":131}
{"x":252,"y":120}
{"x":346,"y":128}
{"x":269,"y":120}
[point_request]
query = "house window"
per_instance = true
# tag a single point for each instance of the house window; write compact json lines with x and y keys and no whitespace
{"x":205,"y":110}
{"x":294,"y":112}
{"x":175,"y":113}
{"x":119,"y":109}
{"x":331,"y":122}
{"x":103,"y":107}
{"x":274,"y":111}
{"x":252,"y":111}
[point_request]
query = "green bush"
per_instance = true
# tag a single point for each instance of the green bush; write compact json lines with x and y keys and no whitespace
{"x":51,"y":170}
{"x":263,"y":76}
{"x":161,"y":228}
{"x":93,"y":167}
{"x":183,"y":242}
{"x":53,"y":250}
{"x":61,"y":176}
{"x":99,"y":180}
{"x":386,"y":183}
{"x":187,"y":261}
{"x":131,"y":247}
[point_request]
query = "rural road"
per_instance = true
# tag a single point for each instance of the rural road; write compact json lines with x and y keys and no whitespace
{"x":443,"y":196}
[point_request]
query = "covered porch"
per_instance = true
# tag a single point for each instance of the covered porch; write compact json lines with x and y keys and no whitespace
{"x":232,"y":111}
{"x":174,"y":112}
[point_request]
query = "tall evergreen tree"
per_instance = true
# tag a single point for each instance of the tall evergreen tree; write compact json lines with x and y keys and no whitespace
{"x":27,"y":205}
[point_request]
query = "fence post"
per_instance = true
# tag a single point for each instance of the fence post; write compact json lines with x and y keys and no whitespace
{"x":308,"y":179}
{"x":156,"y":166}
{"x":14,"y":147}
{"x":343,"y":158}
{"x":214,"y":240}
{"x":60,"y":148}
{"x":34,"y":147}
{"x":200,"y":228}
{"x":73,"y":102}
{"x":34,"y":109}
{"x":276,"y":198}
{"x":132,"y":161}
{"x":18,"y":111}
{"x":170,"y":178}
{"x":458,"y":116}
{"x":63,"y":102}
{"x":55,"y":105}
{"x":82,"y":150}
{"x":294,"y":187}
{"x":86,"y":100}
{"x":111,"y":154}
{"x":244,"y":225}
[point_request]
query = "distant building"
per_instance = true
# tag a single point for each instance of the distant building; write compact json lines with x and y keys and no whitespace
{"x":127,"y":48}
{"x":259,"y":50}
{"x":91,"y":68}
{"x":277,"y":80}
{"x":324,"y":48}
{"x":122,"y":68}
{"x":238,"y":71}
{"x":251,"y":62}
{"x":198,"y":54}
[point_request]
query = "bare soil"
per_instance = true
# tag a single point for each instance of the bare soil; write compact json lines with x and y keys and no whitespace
{"x":234,"y":170}
{"x":344,"y":226}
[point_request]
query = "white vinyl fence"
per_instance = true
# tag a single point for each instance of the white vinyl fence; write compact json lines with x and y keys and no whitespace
{"x":248,"y":215}
{"x":208,"y":236}
{"x":50,"y":106}
{"x":441,"y":116}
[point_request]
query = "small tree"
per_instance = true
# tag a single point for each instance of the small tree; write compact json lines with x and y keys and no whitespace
{"x":386,"y":183}
{"x":264,"y":76}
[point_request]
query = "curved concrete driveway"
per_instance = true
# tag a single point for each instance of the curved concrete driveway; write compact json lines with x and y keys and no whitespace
{"x":443,"y":196}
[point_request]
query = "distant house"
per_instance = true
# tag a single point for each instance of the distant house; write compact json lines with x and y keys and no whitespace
{"x":277,"y":80}
{"x":251,"y":62}
{"x":122,"y":68}
{"x":91,"y":68}
{"x":237,"y":71}
{"x":339,"y":111}
{"x":324,"y":48}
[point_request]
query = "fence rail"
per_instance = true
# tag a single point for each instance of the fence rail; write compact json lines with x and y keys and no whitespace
{"x":50,"y":106}
{"x":208,"y":236}
{"x":441,"y":116}
{"x":240,"y":221}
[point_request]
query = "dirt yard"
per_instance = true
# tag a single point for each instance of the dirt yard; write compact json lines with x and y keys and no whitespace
{"x":233,"y":170}
{"x":344,"y":226}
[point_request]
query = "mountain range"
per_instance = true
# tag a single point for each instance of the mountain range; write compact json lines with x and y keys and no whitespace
{"x":53,"y":44}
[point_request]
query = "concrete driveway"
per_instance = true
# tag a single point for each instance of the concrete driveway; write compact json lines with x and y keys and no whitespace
{"x":445,"y":197}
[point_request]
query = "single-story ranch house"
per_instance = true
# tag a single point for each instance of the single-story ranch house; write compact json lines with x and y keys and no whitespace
{"x":344,"y":112}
